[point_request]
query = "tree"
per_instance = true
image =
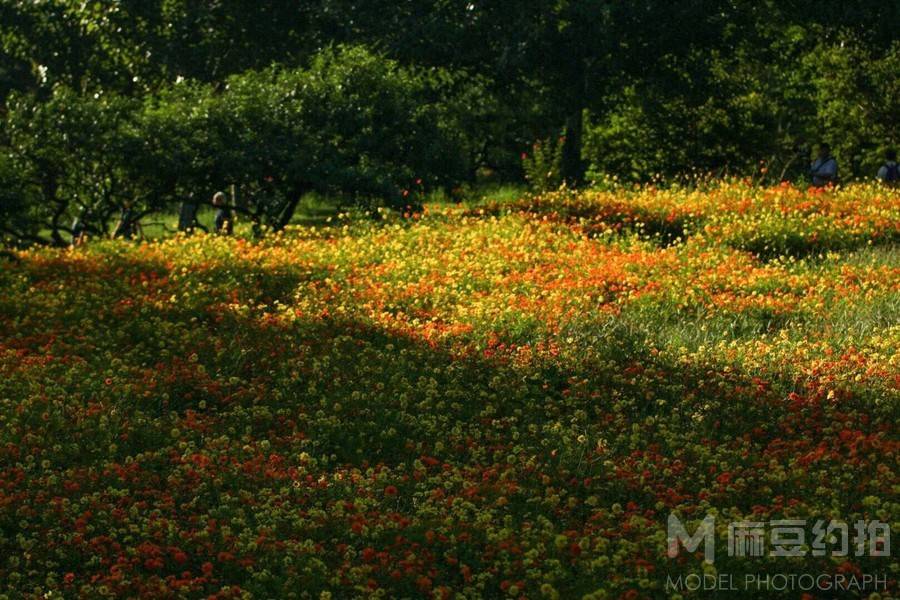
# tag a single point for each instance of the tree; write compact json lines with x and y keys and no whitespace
{"x":69,"y":152}
{"x":857,"y":101}
{"x":351,"y":123}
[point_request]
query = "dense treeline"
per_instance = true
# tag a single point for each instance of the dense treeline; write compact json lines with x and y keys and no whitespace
{"x":152,"y":101}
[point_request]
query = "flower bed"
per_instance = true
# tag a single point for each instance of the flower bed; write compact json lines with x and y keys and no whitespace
{"x":485,"y":403}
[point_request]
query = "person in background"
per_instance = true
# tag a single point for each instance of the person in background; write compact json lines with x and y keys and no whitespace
{"x":224,"y":215}
{"x":824,"y":169}
{"x":890,"y":170}
{"x":187,"y":216}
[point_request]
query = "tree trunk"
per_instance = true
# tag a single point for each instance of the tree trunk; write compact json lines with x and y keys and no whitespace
{"x":287,"y":213}
{"x":50,"y":196}
{"x":572,"y":165}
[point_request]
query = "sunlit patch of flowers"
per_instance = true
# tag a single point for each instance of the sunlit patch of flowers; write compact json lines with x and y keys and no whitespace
{"x":497,"y":401}
{"x":769,"y":222}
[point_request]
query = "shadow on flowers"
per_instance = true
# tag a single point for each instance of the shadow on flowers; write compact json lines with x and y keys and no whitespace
{"x":183,"y":440}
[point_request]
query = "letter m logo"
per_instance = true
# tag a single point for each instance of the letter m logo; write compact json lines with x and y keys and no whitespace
{"x":678,"y":536}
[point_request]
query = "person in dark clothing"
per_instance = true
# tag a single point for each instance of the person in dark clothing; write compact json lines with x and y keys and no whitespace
{"x":224,"y":214}
{"x":824,"y":169}
{"x":890,"y":171}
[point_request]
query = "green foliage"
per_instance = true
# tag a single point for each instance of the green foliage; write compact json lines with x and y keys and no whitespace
{"x":857,"y":99}
{"x":352,"y":124}
{"x":194,"y":96}
{"x":621,"y":142}
{"x":70,"y":152}
{"x":778,"y":92}
{"x":18,"y":201}
{"x":543,"y":167}
{"x":136,"y":46}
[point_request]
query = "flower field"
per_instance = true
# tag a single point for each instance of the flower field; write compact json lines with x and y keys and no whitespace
{"x":486,"y":401}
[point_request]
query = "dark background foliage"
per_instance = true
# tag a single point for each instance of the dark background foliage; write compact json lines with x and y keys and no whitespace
{"x":149,"y":101}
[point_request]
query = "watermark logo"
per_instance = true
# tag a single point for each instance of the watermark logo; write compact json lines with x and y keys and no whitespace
{"x":782,"y":538}
{"x":779,"y":538}
{"x":778,"y":582}
{"x":678,"y":537}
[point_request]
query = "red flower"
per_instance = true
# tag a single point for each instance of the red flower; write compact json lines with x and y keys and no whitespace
{"x":390,"y":490}
{"x":423,"y":583}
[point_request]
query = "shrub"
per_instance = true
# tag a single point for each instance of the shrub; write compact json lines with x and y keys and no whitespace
{"x":543,"y":167}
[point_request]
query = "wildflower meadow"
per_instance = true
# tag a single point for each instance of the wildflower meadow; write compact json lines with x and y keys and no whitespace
{"x":485,"y":400}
